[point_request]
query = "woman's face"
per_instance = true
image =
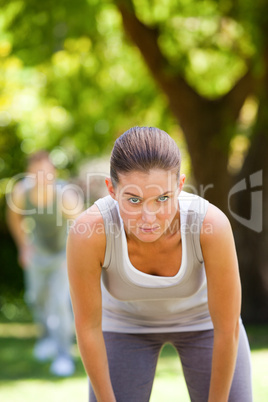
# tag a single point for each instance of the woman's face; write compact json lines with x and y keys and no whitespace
{"x":148,"y":202}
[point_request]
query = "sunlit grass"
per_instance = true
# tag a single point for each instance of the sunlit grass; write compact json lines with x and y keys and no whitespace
{"x":45,"y":390}
{"x":22,"y":379}
{"x":169,"y":384}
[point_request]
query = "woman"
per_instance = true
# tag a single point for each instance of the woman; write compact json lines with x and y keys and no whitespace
{"x":151,"y":264}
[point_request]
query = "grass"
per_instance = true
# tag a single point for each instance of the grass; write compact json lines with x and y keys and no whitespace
{"x":23,"y":379}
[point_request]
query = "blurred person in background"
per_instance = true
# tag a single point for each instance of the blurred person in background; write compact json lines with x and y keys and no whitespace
{"x":38,"y":211}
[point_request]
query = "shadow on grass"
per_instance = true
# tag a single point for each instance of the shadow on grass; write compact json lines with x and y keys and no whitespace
{"x":257,"y":336}
{"x":17,"y":361}
{"x":18,"y":335}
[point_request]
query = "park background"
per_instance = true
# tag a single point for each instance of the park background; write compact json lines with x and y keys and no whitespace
{"x":75,"y":75}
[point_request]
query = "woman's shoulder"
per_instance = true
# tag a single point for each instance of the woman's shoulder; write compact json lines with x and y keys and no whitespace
{"x":216,"y":225}
{"x":88,"y":226}
{"x":86,"y":243}
{"x":216,"y":217}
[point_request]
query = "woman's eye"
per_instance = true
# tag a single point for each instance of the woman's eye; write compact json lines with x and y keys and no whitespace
{"x":134,"y":200}
{"x":163,"y":198}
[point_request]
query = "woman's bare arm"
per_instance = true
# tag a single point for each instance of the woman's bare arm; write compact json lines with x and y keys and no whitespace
{"x":15,"y":215}
{"x":85,"y":254}
{"x":224,"y":300}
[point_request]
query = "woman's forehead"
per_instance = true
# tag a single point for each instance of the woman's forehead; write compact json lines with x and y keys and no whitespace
{"x":156,"y":180}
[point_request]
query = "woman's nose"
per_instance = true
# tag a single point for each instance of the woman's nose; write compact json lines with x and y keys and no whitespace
{"x":148,"y":216}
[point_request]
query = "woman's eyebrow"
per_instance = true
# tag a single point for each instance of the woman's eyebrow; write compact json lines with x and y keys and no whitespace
{"x":132,"y":195}
{"x":138,"y":196}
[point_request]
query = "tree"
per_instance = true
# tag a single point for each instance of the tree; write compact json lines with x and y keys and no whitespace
{"x":85,"y":83}
{"x":210,"y":122}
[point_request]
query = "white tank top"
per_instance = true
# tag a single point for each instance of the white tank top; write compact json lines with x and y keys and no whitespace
{"x":136,"y":302}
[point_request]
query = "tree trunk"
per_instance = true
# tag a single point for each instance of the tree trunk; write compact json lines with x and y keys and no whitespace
{"x":252,"y":240}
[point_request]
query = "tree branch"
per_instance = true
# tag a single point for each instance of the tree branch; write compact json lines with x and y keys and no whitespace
{"x":184,"y":101}
{"x":146,"y":39}
{"x":236,"y":97}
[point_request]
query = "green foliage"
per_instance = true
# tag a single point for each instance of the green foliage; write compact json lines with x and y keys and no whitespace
{"x":201,"y":41}
{"x":71,"y":81}
{"x":70,"y":78}
{"x":11,"y":282}
{"x":70,"y":84}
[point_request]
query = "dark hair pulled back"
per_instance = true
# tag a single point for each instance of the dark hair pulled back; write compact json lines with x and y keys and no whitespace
{"x":142,"y":149}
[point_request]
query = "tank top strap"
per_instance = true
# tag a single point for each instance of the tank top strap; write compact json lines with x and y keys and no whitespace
{"x":112,"y":224}
{"x":197,"y":210}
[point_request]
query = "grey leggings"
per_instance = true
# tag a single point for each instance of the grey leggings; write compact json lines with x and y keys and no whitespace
{"x":133,"y":358}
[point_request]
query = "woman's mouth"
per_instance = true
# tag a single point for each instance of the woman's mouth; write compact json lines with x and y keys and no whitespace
{"x":147,"y":229}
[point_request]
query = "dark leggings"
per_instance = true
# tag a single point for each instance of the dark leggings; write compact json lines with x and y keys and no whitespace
{"x":133,"y":358}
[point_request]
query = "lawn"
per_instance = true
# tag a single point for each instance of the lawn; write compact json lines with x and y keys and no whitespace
{"x":24,"y":379}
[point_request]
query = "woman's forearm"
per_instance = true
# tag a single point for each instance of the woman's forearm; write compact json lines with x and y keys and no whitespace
{"x":93,"y":352}
{"x":223,"y":364}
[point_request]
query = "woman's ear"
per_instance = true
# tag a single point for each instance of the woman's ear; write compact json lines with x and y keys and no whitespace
{"x":182,"y":180}
{"x":110,"y":187}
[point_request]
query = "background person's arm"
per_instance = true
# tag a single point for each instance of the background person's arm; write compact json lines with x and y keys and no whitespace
{"x":14,"y":217}
{"x":224,"y":300}
{"x":85,"y":254}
